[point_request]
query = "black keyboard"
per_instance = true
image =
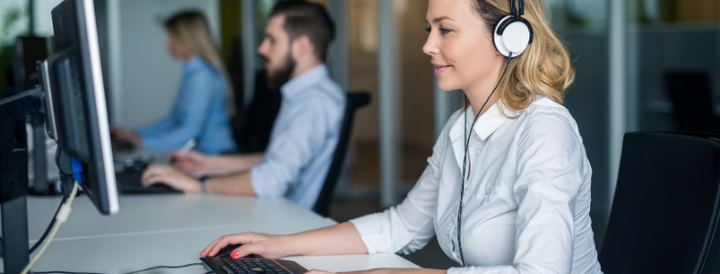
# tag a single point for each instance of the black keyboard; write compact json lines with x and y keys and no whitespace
{"x":251,"y":266}
{"x":130,"y":181}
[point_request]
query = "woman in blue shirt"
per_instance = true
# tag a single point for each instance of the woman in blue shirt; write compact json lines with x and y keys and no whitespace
{"x":204,"y":103}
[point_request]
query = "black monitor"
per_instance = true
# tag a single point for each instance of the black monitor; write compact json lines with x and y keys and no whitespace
{"x":79,"y":112}
{"x":27,"y":51}
{"x":71,"y":92}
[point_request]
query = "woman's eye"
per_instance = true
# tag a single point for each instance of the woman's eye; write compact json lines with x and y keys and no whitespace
{"x":444,"y":30}
{"x":427,"y":29}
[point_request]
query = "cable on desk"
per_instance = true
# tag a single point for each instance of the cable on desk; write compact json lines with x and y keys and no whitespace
{"x":52,"y":223}
{"x":70,"y":272}
{"x":164,"y":266}
{"x":64,"y":272}
{"x":61,"y":218}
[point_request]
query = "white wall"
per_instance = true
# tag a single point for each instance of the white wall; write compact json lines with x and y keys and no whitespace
{"x":143,"y":77}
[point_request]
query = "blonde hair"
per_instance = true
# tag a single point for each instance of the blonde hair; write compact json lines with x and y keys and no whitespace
{"x":191,"y":30}
{"x":544,"y":68}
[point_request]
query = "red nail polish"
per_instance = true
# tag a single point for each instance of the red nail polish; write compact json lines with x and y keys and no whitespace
{"x":235,"y":253}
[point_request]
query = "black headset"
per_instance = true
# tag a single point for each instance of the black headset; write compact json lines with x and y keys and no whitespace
{"x":511,"y":37}
{"x":513,"y":33}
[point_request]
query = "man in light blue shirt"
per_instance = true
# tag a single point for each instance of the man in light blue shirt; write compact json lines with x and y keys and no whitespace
{"x":305,"y":132}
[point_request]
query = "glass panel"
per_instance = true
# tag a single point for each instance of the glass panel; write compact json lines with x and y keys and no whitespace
{"x":415,"y":84}
{"x":13,"y":22}
{"x":362,"y":27}
{"x":582,"y":24}
{"x":413,"y":87}
{"x":676,"y":48}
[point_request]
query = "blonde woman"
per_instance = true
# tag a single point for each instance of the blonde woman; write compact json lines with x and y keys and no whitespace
{"x":203,"y":107}
{"x":507,"y":188}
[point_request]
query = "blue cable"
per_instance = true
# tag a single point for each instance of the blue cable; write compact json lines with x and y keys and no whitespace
{"x":77,"y":170}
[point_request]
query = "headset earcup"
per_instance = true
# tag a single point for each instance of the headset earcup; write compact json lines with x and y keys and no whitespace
{"x":511,"y":35}
{"x":497,"y":36}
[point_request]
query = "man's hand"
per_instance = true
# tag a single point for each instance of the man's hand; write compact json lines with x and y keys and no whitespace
{"x":193,"y":162}
{"x":172,"y":177}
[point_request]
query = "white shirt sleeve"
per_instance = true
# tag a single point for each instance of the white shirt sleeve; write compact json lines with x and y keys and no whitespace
{"x":408,"y":226}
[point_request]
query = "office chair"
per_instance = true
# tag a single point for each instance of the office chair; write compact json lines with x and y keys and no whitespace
{"x":354,"y":101}
{"x":693,"y":105}
{"x":664,"y":216}
{"x":252,"y":128}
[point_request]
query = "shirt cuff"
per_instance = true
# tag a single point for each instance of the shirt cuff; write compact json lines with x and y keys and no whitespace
{"x":256,"y":179}
{"x":460,"y":270}
{"x":368,"y":229}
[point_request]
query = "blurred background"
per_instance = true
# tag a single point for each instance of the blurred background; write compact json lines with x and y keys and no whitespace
{"x":634,"y":59}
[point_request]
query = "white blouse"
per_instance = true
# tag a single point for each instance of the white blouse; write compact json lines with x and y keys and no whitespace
{"x":526,"y":203}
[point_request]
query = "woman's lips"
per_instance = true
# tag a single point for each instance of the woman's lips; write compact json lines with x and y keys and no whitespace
{"x":440,"y":69}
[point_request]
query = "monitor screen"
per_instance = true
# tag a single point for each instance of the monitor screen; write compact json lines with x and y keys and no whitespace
{"x":78,"y":112}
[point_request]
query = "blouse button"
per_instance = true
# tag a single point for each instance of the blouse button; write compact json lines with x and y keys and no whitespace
{"x":477,"y":152}
{"x":488,"y":190}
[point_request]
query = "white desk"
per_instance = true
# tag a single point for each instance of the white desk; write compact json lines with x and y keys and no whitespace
{"x":172,"y":229}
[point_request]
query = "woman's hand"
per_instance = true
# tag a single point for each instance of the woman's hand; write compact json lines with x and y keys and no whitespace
{"x":266,"y":245}
{"x":192,"y":162}
{"x":170,"y":176}
{"x":125,"y":136}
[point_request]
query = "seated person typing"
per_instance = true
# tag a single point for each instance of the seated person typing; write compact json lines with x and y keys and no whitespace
{"x":507,"y":187}
{"x":204,"y":102}
{"x":305,"y":132}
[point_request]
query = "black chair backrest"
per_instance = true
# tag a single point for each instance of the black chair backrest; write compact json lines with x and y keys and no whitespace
{"x":354,"y":101}
{"x":691,"y":96}
{"x":664,"y":215}
{"x":253,"y":126}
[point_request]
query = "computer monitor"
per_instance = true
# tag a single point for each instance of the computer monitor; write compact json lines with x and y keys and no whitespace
{"x":72,"y":94}
{"x":27,"y":51}
{"x":79,"y":112}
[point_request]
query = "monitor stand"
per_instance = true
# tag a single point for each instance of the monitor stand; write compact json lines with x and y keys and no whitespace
{"x":14,"y":176}
{"x":39,"y":153}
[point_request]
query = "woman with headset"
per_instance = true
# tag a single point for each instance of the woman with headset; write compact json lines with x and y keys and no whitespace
{"x":507,"y":188}
{"x":204,"y":103}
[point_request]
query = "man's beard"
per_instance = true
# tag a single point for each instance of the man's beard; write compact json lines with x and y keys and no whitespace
{"x":280,"y":76}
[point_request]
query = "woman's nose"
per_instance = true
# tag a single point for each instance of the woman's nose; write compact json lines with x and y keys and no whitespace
{"x":430,"y":48}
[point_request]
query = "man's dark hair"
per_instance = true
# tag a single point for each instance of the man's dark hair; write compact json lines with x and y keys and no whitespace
{"x":309,"y":19}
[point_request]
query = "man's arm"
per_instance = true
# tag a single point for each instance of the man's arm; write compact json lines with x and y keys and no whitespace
{"x":233,"y":184}
{"x":197,"y":163}
{"x":237,"y":184}
{"x":239,"y":163}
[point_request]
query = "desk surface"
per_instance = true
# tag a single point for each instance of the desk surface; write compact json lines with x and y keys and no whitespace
{"x":172,"y":229}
